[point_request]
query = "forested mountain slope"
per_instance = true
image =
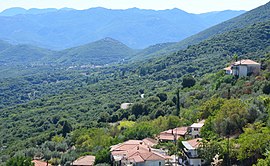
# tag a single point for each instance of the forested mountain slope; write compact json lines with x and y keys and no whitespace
{"x":93,"y":99}
{"x":210,"y":55}
{"x":24,"y":54}
{"x":101,"y":52}
{"x":256,"y":15}
{"x":104,"y":51}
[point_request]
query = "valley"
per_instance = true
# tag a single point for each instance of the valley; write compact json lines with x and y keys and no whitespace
{"x":56,"y":106}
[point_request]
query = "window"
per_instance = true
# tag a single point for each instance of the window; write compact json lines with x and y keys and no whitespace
{"x":196,"y":129}
{"x":159,"y":163}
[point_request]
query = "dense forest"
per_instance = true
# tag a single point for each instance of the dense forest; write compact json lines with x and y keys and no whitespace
{"x":59,"y":112}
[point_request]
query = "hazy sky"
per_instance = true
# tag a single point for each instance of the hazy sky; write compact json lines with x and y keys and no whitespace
{"x":192,"y":6}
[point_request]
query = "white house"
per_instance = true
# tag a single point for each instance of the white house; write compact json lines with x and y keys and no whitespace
{"x":195,"y":129}
{"x":243,"y":68}
{"x":190,"y":151}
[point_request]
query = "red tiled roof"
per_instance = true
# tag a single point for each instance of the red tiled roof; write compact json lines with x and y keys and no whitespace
{"x":169,"y":134}
{"x":126,"y":145}
{"x":180,"y":130}
{"x":246,"y":62}
{"x":140,"y":152}
{"x":195,"y":142}
{"x":228,"y":68}
{"x":199,"y":124}
{"x":150,"y":142}
{"x":85,"y":160}
{"x":40,"y":163}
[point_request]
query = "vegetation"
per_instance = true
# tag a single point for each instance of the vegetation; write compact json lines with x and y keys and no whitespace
{"x":61,"y":113}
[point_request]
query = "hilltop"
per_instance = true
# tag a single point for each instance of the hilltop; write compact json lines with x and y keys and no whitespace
{"x":101,"y":52}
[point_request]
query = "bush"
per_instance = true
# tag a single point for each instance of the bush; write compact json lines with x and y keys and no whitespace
{"x":266,"y":89}
{"x":19,"y":161}
{"x":188,"y":81}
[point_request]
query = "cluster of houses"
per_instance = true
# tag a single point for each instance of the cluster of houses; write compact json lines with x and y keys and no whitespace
{"x":143,"y":153}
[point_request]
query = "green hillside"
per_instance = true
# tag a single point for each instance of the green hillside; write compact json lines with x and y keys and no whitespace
{"x":256,"y":15}
{"x":101,"y":52}
{"x":24,"y":54}
{"x":90,"y":98}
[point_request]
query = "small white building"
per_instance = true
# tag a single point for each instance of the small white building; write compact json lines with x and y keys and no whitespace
{"x":243,"y":68}
{"x":195,"y":129}
{"x":190,"y":151}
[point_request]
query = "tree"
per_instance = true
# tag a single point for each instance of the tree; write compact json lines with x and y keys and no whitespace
{"x":177,"y":102}
{"x":231,"y":118}
{"x":188,"y":81}
{"x":103,"y":156}
{"x":138,"y":109}
{"x":253,"y":142}
{"x":235,"y":57}
{"x":207,"y":150}
{"x":266,"y":88}
{"x":263,"y":162}
{"x":19,"y":161}
{"x":162,"y":96}
{"x":66,"y":128}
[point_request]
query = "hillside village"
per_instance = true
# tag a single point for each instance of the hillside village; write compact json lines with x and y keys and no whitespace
{"x":198,"y":102}
{"x":150,"y":152}
{"x":144,"y":153}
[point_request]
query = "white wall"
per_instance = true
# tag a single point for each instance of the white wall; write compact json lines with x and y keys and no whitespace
{"x":242,"y":71}
{"x":155,"y":163}
{"x":195,"y":162}
{"x":194,"y":132}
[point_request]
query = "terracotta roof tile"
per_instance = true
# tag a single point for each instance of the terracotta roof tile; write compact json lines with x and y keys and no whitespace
{"x":195,"y":142}
{"x":40,"y":163}
{"x":169,"y":134}
{"x":140,"y":152}
{"x":246,"y":62}
{"x":85,"y":160}
{"x":150,"y":142}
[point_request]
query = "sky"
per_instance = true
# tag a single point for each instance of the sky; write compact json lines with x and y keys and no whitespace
{"x":191,"y":6}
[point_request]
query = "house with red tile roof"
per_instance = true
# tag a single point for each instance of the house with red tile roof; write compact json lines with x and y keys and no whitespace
{"x":137,"y":152}
{"x":243,"y":68}
{"x":40,"y":163}
{"x":84,"y":161}
{"x":172,"y":134}
{"x":190,"y":151}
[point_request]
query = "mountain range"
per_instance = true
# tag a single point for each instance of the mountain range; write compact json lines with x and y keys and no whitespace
{"x":256,"y":15}
{"x":137,"y":28}
{"x":109,"y":50}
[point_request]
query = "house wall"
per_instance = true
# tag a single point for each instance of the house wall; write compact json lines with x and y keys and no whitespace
{"x":228,"y":72}
{"x":195,"y":132}
{"x":240,"y":70}
{"x":155,"y":163}
{"x":255,"y":69}
{"x":195,"y":162}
